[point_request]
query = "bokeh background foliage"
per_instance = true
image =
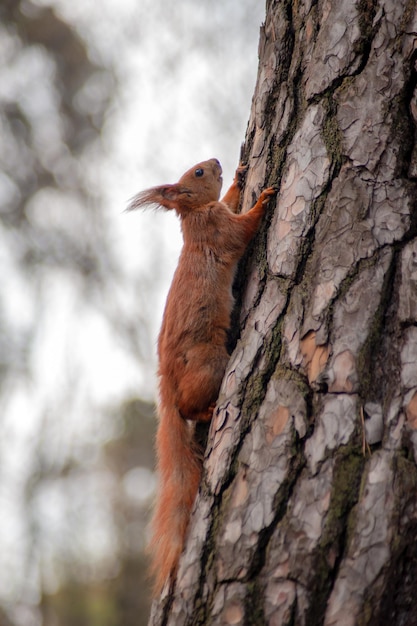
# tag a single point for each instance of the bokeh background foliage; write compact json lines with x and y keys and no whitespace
{"x":97,"y":101}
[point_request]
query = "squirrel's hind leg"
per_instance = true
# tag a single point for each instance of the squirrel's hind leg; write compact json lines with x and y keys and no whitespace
{"x":199,"y":386}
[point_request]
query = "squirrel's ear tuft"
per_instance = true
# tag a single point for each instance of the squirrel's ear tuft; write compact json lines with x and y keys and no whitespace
{"x":140,"y":200}
{"x":164,"y":196}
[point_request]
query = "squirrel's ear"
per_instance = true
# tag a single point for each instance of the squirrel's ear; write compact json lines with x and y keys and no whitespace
{"x":169,"y":195}
{"x":166,"y":196}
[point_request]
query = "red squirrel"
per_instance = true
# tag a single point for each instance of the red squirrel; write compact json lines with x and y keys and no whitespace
{"x":192,"y":342}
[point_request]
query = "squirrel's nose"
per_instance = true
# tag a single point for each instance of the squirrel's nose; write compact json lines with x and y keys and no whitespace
{"x":217,"y":162}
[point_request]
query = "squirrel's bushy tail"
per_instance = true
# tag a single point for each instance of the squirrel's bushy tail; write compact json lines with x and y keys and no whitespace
{"x":179,"y":468}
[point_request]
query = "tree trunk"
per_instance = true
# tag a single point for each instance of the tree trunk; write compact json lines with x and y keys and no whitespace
{"x":307,"y":513}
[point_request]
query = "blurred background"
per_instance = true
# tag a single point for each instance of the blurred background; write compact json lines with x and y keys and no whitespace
{"x":98,"y":100}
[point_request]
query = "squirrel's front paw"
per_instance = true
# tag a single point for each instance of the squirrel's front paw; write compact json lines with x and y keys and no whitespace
{"x":267,"y":194}
{"x":240,"y":175}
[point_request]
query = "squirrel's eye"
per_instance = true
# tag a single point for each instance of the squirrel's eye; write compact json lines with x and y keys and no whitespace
{"x":199,"y":172}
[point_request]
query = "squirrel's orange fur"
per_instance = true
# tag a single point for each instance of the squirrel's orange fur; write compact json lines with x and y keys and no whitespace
{"x":192,"y":342}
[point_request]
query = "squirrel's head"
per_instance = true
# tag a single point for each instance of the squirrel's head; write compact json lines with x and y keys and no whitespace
{"x":199,"y":185}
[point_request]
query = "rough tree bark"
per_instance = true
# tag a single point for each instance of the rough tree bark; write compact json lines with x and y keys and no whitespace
{"x":307,"y":513}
